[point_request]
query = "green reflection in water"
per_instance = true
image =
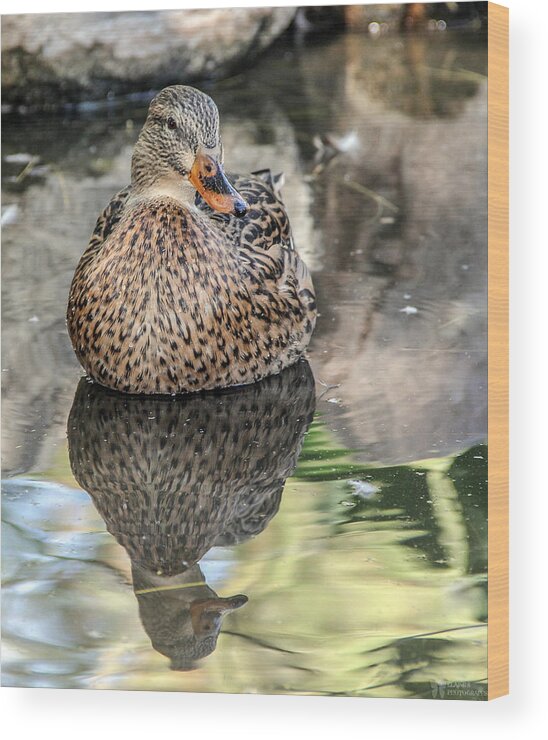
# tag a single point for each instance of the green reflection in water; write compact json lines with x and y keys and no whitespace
{"x":377,"y":595}
{"x":370,"y":580}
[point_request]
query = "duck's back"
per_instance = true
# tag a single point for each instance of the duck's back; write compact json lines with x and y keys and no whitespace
{"x":265,"y":244}
{"x":168,"y":299}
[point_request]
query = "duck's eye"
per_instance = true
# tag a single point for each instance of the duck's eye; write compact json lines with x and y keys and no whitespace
{"x":171,"y":123}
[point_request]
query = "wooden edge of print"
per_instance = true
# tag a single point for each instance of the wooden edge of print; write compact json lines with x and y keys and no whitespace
{"x":498,"y":625}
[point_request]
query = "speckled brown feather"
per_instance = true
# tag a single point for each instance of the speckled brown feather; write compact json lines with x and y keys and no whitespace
{"x":172,"y":477}
{"x":172,"y":297}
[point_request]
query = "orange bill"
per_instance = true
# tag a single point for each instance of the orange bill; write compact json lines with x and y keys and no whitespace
{"x":206,"y":614}
{"x":210,"y":181}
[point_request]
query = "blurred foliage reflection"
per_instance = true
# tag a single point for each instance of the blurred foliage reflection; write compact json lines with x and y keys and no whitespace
{"x":369,"y":580}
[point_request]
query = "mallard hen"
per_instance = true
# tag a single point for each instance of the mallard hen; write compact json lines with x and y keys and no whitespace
{"x":189,"y":282}
{"x":174,"y":477}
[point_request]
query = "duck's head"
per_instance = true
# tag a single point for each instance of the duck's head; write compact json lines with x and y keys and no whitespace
{"x":179,"y":151}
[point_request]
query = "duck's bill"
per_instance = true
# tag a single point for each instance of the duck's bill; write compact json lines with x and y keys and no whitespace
{"x":206,"y":614}
{"x":210,"y":181}
{"x":218,"y":605}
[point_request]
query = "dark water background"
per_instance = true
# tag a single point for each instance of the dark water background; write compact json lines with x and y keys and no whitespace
{"x":351,"y":509}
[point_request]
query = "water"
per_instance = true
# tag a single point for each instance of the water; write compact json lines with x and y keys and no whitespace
{"x":318,"y":534}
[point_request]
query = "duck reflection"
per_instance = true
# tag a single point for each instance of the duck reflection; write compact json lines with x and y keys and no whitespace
{"x":174,"y":477}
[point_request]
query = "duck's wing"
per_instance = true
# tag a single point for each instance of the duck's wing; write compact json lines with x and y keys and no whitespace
{"x":106,"y":223}
{"x":265,"y":224}
{"x":264,"y":240}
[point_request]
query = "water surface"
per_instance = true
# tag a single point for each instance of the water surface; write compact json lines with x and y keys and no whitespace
{"x":323,"y":532}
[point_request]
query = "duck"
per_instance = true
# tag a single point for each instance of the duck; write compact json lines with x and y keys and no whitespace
{"x":191,"y":280}
{"x":174,"y":477}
